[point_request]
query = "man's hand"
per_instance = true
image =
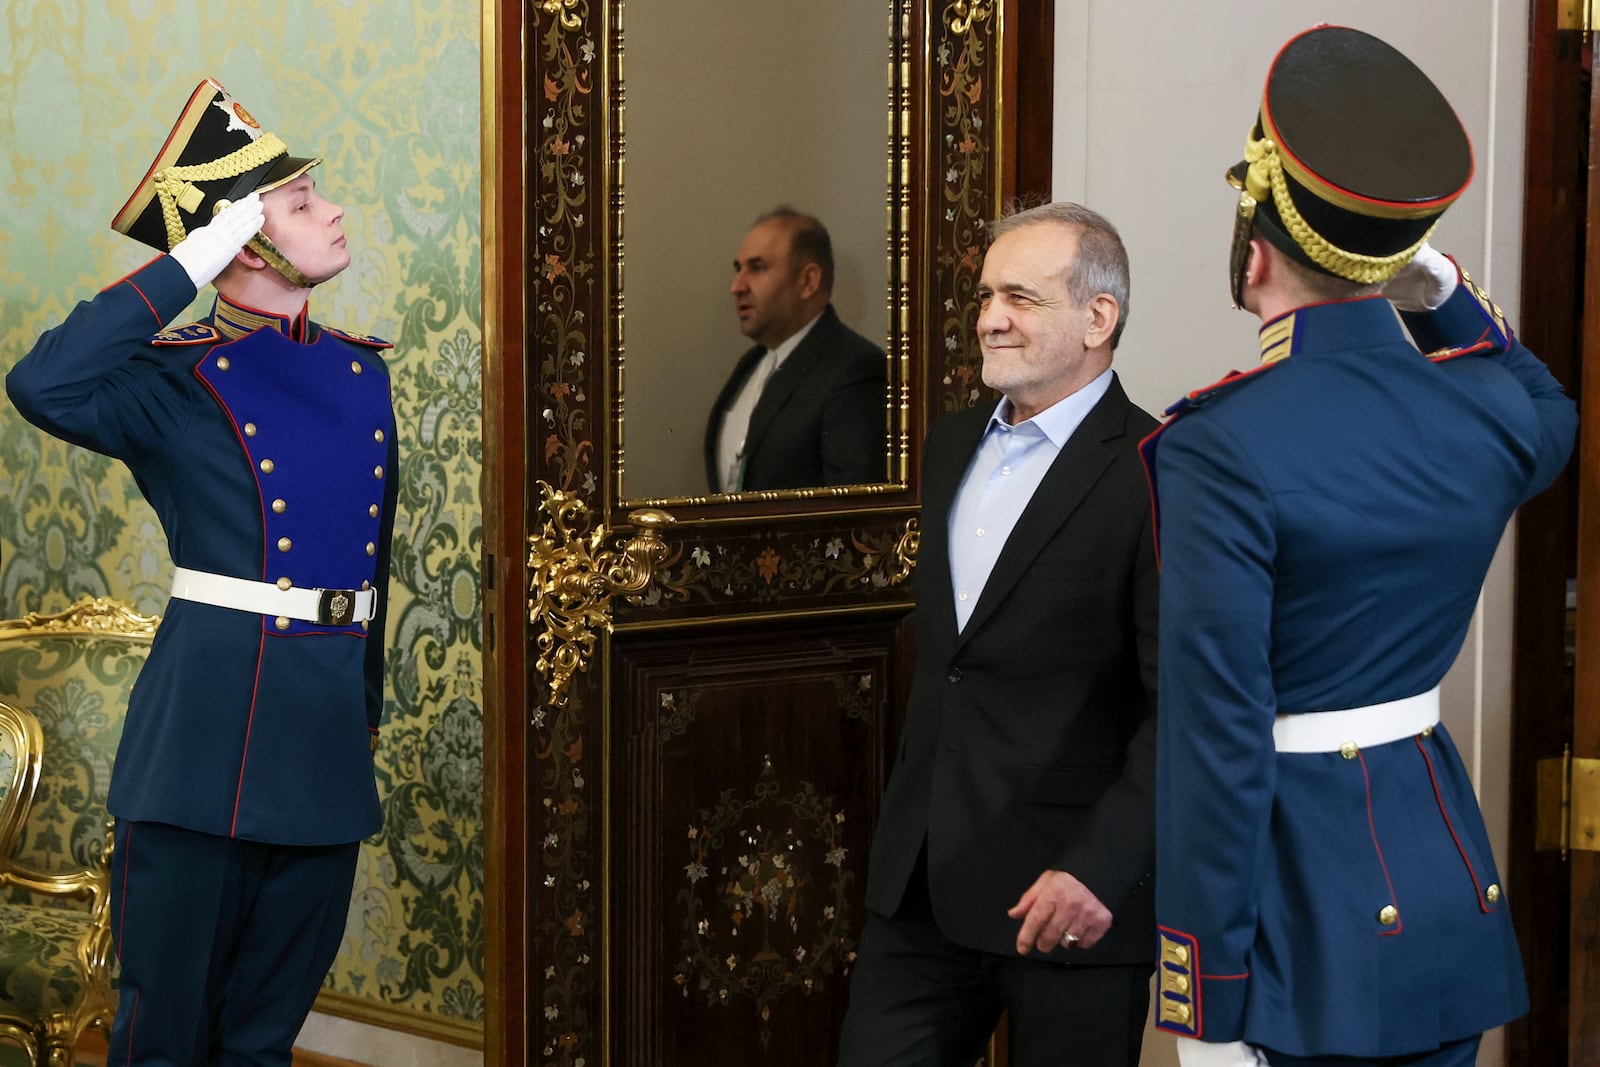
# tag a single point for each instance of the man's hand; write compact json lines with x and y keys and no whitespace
{"x":1055,"y":906}
{"x":1424,"y":283}
{"x":208,"y":249}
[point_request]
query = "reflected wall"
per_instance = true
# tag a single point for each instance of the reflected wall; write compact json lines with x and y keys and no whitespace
{"x":726,"y":119}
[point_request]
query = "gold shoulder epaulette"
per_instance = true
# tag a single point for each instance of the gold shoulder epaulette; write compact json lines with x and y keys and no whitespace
{"x":360,"y":338}
{"x":193,"y":333}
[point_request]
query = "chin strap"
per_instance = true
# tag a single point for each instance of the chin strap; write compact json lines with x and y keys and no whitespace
{"x":262,"y":246}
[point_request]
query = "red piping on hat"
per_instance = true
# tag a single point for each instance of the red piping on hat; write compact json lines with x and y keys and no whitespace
{"x":1441,"y":202}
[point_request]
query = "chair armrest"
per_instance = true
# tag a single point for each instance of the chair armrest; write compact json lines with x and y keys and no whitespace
{"x":21,"y":735}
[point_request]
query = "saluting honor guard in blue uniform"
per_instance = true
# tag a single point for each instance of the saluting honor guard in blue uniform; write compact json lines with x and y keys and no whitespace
{"x":265,"y":443}
{"x":1325,"y":890}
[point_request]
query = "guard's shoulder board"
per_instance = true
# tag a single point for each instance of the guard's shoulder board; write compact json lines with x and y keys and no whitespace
{"x":359,"y":338}
{"x":193,"y":333}
{"x":1444,"y":355}
{"x":1198,"y":397}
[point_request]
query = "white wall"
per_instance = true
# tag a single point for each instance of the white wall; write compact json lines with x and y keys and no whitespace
{"x":1153,"y":101}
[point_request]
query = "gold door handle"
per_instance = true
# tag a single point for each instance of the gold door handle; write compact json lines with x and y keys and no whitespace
{"x":573,"y":578}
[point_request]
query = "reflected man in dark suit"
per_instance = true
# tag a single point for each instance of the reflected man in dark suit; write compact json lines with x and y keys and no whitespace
{"x":1012,"y":862}
{"x":807,"y":405}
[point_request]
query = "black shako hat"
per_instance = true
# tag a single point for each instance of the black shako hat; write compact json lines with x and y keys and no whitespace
{"x":216,"y":152}
{"x":1354,"y":157}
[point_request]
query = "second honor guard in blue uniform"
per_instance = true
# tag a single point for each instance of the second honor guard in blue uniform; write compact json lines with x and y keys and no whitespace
{"x":1324,"y":885}
{"x":265,"y":443}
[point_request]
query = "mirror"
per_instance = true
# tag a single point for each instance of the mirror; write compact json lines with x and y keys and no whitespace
{"x":797,"y":115}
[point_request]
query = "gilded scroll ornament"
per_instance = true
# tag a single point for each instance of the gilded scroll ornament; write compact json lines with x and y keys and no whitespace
{"x":905,"y":553}
{"x":964,"y":13}
{"x":572,"y":579}
{"x":95,"y":615}
{"x":564,"y":10}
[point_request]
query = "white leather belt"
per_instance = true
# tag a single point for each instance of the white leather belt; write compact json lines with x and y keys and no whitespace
{"x":326,"y":607}
{"x":1375,"y":724}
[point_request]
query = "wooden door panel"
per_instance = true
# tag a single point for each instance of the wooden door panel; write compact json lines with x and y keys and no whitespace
{"x":745,"y":775}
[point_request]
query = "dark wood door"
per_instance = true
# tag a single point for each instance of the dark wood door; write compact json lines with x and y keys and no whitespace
{"x":676,"y":841}
{"x":1556,"y":892}
{"x":1583,"y":1017}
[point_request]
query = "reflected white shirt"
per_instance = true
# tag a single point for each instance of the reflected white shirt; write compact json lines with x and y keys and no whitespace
{"x":736,"y":420}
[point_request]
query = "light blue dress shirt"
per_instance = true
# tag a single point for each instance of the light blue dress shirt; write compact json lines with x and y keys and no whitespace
{"x":1008,"y":466}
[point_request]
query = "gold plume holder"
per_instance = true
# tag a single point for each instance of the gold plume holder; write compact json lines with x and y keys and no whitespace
{"x":573,"y":578}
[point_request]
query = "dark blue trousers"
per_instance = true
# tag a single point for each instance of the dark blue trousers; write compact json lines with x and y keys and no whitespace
{"x":223,"y":944}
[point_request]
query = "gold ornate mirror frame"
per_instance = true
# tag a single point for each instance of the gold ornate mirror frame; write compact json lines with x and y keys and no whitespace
{"x":552,"y":207}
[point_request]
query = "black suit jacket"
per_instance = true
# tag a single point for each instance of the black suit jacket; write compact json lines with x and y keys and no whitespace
{"x":1030,"y":735}
{"x":822,"y":418}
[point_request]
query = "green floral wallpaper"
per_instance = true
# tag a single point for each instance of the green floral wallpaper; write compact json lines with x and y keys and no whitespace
{"x":387,"y":92}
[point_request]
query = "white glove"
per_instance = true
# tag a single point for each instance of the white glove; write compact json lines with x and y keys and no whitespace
{"x":1192,"y":1053}
{"x":1424,"y":283}
{"x":207,"y":250}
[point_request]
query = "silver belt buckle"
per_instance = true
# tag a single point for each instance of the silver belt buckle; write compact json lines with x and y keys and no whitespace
{"x":335,"y":607}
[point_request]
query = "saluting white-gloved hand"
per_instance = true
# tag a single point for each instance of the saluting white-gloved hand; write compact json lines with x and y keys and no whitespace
{"x":207,"y":250}
{"x":1424,"y":283}
{"x":1193,"y":1053}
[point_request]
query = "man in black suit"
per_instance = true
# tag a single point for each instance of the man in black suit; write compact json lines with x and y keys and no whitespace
{"x":1012,"y":862}
{"x":808,"y":404}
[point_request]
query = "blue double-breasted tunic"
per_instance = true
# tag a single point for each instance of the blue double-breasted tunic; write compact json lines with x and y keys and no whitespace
{"x":267,"y":449}
{"x":1325,"y":524}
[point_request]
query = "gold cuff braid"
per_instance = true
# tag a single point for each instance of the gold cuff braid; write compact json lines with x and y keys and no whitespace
{"x":1265,"y":177}
{"x":175,"y":185}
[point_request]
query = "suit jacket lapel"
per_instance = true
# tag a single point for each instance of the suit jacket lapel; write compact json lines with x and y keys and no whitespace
{"x":787,"y":378}
{"x":942,"y":476}
{"x":730,"y":391}
{"x":1083,"y":459}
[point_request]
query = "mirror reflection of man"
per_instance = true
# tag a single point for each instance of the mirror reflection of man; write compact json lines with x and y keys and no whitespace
{"x":805,"y":406}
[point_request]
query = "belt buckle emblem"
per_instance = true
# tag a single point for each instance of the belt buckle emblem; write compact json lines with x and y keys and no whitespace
{"x":337,"y":607}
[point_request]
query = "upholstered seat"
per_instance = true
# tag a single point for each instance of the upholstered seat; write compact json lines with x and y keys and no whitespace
{"x":64,"y":685}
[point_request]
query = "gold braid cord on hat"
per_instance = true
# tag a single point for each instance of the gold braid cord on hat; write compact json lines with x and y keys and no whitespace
{"x":176,"y":189}
{"x":1265,"y":178}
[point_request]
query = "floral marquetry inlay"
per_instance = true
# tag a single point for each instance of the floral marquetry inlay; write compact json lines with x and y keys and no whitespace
{"x":765,"y":911}
{"x":568,"y":247}
{"x":966,"y":82}
{"x":780,"y":567}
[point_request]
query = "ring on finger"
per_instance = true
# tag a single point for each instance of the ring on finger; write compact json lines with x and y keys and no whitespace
{"x":1069,"y":938}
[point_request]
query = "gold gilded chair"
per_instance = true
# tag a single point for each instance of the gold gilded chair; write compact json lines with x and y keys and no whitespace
{"x":64,"y":685}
